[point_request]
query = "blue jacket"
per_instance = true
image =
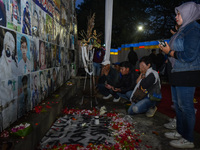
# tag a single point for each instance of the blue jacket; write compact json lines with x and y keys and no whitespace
{"x":187,"y":47}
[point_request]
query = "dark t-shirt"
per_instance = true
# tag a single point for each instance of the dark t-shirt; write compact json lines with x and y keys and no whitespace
{"x":185,"y":78}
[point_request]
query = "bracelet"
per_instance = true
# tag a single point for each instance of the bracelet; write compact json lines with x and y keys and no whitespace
{"x":169,"y":52}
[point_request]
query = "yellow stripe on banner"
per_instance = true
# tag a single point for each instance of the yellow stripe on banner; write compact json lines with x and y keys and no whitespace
{"x":135,"y":48}
{"x":151,"y":47}
{"x":123,"y":49}
{"x":113,"y":53}
{"x":127,"y":49}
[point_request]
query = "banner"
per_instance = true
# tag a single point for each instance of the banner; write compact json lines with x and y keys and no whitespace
{"x":108,"y":27}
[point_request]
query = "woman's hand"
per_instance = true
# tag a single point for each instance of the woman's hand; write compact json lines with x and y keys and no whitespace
{"x":141,"y":76}
{"x":116,"y":89}
{"x":165,"y":49}
{"x":108,"y":86}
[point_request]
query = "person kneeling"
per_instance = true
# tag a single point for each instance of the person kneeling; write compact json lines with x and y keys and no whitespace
{"x":148,"y":89}
{"x":127,"y":82}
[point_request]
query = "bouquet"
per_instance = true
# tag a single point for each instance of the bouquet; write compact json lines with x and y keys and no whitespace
{"x":21,"y":130}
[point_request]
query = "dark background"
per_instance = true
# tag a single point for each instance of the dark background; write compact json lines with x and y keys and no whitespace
{"x":156,"y":16}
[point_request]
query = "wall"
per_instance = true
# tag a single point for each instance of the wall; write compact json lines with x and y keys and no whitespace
{"x":37,"y":48}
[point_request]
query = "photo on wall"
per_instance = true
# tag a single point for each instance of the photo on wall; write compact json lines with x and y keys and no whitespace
{"x":8,"y":54}
{"x":62,"y":56}
{"x":42,"y":29}
{"x":34,"y":52}
{"x":13,"y":13}
{"x":42,"y":55}
{"x":34,"y":84}
{"x":53,"y":57}
{"x":23,"y":52}
{"x":35,"y":20}
{"x":66,"y":56}
{"x":49,"y":28}
{"x":58,"y":56}
{"x":48,"y":55}
{"x":55,"y":79}
{"x":3,"y":19}
{"x":26,"y":16}
{"x":49,"y":81}
{"x":8,"y":101}
{"x":63,"y":13}
{"x":60,"y":76}
{"x":43,"y":85}
{"x":24,"y":95}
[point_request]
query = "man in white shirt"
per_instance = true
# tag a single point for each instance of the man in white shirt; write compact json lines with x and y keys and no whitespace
{"x":24,"y":64}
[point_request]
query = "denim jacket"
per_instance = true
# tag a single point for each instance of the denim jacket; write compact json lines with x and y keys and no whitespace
{"x":187,"y":47}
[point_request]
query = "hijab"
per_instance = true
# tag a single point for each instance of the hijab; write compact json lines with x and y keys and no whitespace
{"x":190,"y":11}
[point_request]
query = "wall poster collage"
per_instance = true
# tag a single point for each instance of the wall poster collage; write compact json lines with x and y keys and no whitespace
{"x":34,"y":57}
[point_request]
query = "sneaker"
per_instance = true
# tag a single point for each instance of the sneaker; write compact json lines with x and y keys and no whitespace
{"x":171,"y":119}
{"x":107,"y":97}
{"x":151,"y":112}
{"x":171,"y":125}
{"x":182,"y":143}
{"x":173,"y":135}
{"x":116,"y":99}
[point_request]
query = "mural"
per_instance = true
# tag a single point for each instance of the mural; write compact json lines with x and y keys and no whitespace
{"x":34,"y":60}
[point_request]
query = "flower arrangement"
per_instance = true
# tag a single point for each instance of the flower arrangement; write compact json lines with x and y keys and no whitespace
{"x":123,"y":132}
{"x":21,"y":130}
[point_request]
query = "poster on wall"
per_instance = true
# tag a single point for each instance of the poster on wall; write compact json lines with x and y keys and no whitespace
{"x":58,"y":76}
{"x":58,"y":56}
{"x":23,"y":52}
{"x":49,"y":28}
{"x":26,"y":16}
{"x":48,"y":55}
{"x":62,"y":36}
{"x":8,"y":54}
{"x":3,"y":19}
{"x":8,"y":101}
{"x":63,"y":13}
{"x":66,"y":56}
{"x":57,"y":32}
{"x":62,"y":56}
{"x":24,"y":95}
{"x":34,"y":84}
{"x":13,"y":13}
{"x":56,"y":13}
{"x":49,"y":81}
{"x":34,"y":51}
{"x":53,"y":57}
{"x":43,"y":85}
{"x":42,"y":55}
{"x":35,"y":20}
{"x":55,"y":80}
{"x":42,"y":29}
{"x":61,"y":76}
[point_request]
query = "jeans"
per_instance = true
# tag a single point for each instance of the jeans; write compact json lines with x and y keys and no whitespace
{"x":141,"y":107}
{"x":126,"y":96}
{"x":96,"y":69}
{"x":105,"y":92}
{"x":182,"y":98}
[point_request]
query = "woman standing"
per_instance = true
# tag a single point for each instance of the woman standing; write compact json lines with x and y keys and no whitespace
{"x":184,"y":72}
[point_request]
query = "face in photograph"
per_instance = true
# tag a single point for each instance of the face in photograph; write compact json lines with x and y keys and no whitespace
{"x":24,"y":48}
{"x":35,"y":90}
{"x":8,"y":61}
{"x":42,"y":55}
{"x":26,"y":28}
{"x":35,"y":24}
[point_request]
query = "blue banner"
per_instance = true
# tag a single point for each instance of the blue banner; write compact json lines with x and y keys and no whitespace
{"x":46,"y":5}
